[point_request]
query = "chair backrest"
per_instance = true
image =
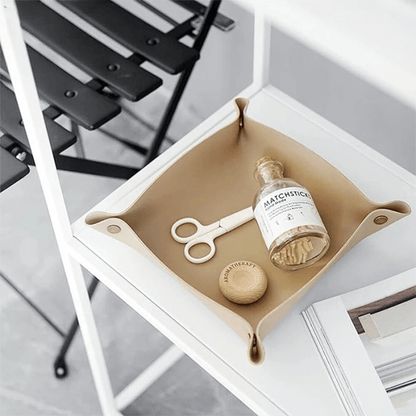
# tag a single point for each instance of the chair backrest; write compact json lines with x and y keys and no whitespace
{"x":14,"y":144}
{"x":11,"y":123}
{"x":113,"y":75}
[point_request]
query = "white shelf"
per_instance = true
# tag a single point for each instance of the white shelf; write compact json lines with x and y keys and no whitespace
{"x":292,"y":368}
{"x":373,"y":38}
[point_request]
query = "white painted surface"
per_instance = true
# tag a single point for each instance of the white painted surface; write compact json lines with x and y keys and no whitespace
{"x":374,"y":39}
{"x":292,"y":366}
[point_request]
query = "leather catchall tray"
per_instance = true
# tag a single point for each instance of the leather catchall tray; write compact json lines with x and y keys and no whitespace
{"x":214,"y":179}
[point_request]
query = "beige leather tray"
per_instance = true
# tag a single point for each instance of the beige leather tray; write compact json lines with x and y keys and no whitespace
{"x":215,"y":179}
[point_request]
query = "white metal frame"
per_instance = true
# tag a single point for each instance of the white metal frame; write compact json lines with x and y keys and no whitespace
{"x":74,"y":253}
{"x":24,"y":86}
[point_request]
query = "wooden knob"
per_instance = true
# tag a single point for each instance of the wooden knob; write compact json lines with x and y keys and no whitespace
{"x":243,"y":282}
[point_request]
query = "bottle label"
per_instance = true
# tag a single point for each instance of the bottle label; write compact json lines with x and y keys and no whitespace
{"x":282,"y":210}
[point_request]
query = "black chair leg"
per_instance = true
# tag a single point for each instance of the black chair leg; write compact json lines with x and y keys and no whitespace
{"x":60,"y":367}
{"x":209,"y":18}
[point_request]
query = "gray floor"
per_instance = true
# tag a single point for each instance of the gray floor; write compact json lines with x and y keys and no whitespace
{"x":30,"y":259}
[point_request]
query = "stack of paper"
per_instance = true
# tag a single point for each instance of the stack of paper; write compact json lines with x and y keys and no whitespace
{"x":367,"y":340}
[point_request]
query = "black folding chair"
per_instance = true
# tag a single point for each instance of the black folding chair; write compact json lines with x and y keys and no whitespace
{"x":92,"y":104}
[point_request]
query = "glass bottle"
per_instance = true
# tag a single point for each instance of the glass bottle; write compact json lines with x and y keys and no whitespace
{"x":288,"y":219}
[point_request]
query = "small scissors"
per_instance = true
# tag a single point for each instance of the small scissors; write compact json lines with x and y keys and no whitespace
{"x":206,"y":234}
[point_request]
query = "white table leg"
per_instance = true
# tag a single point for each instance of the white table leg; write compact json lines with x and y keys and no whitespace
{"x":148,"y":377}
{"x":18,"y":63}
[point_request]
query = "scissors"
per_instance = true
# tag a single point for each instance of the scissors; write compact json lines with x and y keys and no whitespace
{"x":206,"y":234}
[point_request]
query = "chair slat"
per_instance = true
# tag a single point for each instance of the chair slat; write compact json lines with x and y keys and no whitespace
{"x":10,"y":123}
{"x":160,"y":49}
{"x":221,"y":22}
{"x":93,"y":57}
{"x":11,"y":169}
{"x":85,"y":106}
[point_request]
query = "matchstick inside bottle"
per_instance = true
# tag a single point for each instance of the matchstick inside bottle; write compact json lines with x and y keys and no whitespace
{"x":289,"y":222}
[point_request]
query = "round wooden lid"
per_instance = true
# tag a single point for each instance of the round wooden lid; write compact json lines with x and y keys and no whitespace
{"x":243,"y":282}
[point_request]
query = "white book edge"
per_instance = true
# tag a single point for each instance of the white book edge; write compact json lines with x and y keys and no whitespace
{"x":329,"y":357}
{"x":344,"y":355}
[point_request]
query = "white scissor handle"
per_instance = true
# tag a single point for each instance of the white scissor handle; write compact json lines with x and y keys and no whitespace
{"x":206,"y":234}
{"x":200,"y":229}
{"x":196,"y":241}
{"x":207,"y":239}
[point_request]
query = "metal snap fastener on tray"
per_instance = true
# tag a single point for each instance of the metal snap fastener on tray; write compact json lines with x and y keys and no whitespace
{"x":113,"y":229}
{"x":380,"y":220}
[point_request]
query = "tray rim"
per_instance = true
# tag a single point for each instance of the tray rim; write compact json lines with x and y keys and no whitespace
{"x":84,"y":248}
{"x":241,"y":104}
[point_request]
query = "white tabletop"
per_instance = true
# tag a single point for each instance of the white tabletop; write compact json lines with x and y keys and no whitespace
{"x":292,"y":377}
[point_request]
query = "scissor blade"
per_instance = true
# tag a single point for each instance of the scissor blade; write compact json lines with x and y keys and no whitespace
{"x":238,"y":218}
